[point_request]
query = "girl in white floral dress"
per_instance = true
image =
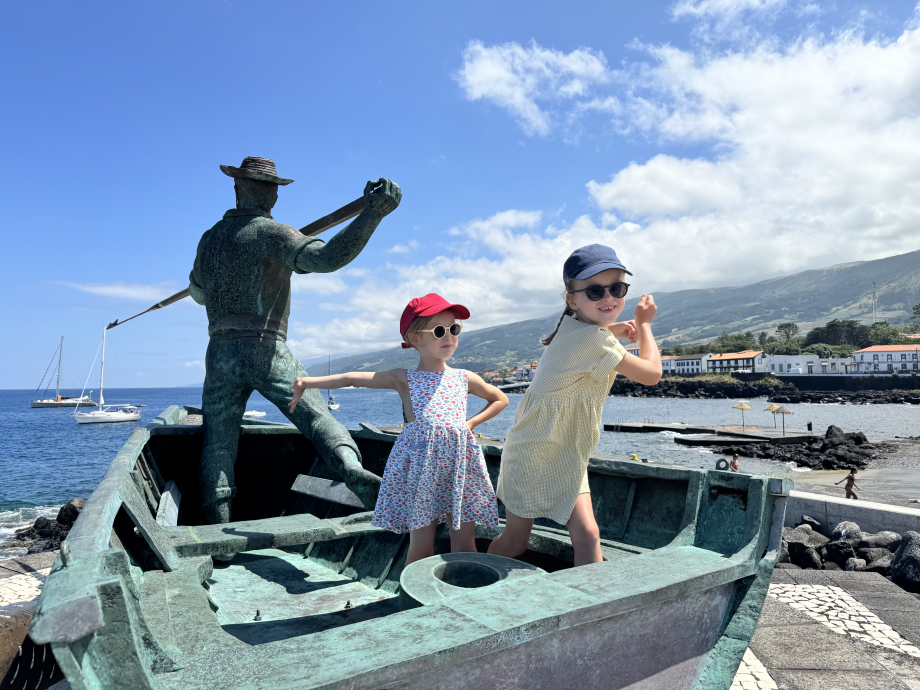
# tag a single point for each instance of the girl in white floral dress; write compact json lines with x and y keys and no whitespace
{"x":436,"y":472}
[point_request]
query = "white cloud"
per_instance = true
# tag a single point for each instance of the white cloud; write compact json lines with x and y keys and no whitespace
{"x":722,"y":8}
{"x":318,"y":283}
{"x":516,"y":77}
{"x":196,"y":364}
{"x":127,"y":291}
{"x":506,"y":268}
{"x":816,"y":158}
{"x":403,"y":248}
{"x":808,"y":152}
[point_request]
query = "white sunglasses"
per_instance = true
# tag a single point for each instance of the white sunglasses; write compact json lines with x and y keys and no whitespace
{"x":440,"y":331}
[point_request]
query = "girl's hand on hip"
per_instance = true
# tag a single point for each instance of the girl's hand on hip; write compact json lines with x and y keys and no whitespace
{"x":625,"y":329}
{"x":645,"y":310}
{"x":300,"y":385}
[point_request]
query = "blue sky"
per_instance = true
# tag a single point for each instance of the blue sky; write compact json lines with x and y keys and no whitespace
{"x":711,"y":142}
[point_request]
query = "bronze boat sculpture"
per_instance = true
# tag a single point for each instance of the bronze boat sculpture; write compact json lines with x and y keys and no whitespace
{"x":302,"y":592}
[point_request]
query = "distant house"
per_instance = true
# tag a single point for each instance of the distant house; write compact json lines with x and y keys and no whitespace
{"x":753,"y":361}
{"x":667,"y":364}
{"x":525,"y":373}
{"x":691,"y":364}
{"x":887,"y":359}
{"x":807,"y":363}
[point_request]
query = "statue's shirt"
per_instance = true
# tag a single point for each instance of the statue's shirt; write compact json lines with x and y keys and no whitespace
{"x":242,"y":273}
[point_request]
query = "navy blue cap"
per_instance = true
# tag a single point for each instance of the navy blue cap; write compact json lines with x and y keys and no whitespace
{"x":589,"y":261}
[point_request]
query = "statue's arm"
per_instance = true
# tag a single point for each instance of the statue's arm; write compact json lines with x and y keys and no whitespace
{"x":194,"y":286}
{"x":380,"y":199}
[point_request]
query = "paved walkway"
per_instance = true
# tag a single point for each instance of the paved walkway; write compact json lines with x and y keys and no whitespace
{"x":830,"y":630}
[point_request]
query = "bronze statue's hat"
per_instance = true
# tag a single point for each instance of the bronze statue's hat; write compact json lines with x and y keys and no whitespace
{"x":255,"y":168}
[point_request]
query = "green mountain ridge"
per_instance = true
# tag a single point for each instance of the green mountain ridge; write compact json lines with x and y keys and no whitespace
{"x":809,"y":298}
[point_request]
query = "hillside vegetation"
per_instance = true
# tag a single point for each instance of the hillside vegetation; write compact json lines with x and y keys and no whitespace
{"x":807,"y":299}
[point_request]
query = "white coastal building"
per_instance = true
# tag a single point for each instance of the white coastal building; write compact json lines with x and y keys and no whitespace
{"x":808,"y":363}
{"x":887,"y":359}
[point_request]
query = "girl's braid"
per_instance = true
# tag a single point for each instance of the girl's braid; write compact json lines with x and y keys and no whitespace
{"x":568,"y":311}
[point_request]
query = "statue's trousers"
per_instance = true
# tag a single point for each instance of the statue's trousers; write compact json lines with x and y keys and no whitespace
{"x":236,"y":366}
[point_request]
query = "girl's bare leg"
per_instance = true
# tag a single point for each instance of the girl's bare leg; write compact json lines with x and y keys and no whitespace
{"x":852,"y":493}
{"x":584,"y":532}
{"x":513,"y":541}
{"x":463,"y":539}
{"x":421,"y":543}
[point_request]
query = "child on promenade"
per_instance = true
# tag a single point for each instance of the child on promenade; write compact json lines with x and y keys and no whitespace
{"x":436,"y":471}
{"x":544,"y":470}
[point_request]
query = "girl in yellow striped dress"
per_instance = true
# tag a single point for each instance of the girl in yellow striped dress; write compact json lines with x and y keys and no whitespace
{"x":544,"y":470}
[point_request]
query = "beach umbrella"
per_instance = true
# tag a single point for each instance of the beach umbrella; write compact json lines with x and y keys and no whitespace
{"x":772,"y":407}
{"x":742,"y":407}
{"x":784,"y":411}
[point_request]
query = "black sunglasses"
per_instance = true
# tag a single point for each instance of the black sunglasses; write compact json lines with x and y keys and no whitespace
{"x":440,"y":331}
{"x":596,"y":292}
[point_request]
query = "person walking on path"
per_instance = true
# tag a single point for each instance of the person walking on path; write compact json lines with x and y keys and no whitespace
{"x":850,"y":480}
{"x":733,"y":466}
{"x":544,"y":469}
{"x":242,"y":275}
{"x":436,"y":471}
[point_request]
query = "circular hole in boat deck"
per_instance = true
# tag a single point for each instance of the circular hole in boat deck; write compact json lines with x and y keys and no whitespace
{"x":466,"y":574}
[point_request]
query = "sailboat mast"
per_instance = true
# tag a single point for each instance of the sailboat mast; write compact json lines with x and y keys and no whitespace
{"x":102,"y":371}
{"x":60,"y":356}
{"x":328,"y":373}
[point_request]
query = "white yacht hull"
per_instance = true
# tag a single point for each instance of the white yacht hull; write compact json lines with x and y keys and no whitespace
{"x":106,"y":417}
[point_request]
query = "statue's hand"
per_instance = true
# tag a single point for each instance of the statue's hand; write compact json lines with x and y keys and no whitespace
{"x":384,"y":199}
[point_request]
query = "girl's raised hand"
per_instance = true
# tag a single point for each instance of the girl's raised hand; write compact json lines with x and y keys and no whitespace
{"x":300,"y":385}
{"x":625,"y":329}
{"x":645,"y":310}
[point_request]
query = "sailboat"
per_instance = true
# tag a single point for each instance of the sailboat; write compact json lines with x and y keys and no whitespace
{"x":107,"y":413}
{"x":57,"y":400}
{"x":331,"y":402}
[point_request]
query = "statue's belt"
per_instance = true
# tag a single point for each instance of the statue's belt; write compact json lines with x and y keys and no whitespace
{"x":235,"y":333}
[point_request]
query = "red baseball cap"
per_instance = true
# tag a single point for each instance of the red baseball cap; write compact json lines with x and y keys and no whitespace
{"x":429,"y":305}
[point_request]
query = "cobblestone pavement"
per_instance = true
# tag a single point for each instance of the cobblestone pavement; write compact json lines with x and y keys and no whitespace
{"x":843,"y":614}
{"x":834,"y":630}
{"x":752,"y":675}
{"x":22,"y":587}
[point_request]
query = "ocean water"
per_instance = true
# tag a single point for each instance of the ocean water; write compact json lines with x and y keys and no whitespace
{"x":46,"y":458}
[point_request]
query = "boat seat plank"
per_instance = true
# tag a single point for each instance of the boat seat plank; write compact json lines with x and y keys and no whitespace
{"x":168,"y":510}
{"x":250,"y":535}
{"x":332,"y":491}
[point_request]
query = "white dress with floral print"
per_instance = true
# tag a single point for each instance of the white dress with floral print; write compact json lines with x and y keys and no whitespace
{"x":436,"y":467}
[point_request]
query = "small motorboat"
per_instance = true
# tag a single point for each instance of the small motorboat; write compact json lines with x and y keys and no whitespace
{"x":253,"y":414}
{"x":302,"y":591}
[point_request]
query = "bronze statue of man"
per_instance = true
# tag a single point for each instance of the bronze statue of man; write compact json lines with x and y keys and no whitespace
{"x":242,"y":275}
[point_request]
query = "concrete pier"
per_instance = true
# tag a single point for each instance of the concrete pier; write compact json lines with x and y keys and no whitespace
{"x":721,"y":434}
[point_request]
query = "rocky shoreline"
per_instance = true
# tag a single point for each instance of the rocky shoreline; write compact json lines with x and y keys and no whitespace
{"x":838,"y":451}
{"x":707,"y":388}
{"x":846,"y":547}
{"x":44,"y":534}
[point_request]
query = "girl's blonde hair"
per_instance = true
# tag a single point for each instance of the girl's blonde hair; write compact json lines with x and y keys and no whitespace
{"x":568,"y":311}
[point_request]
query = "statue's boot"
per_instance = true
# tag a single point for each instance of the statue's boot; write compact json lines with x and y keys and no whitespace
{"x":363,"y":483}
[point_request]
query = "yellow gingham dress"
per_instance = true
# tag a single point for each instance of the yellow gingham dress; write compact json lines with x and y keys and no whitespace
{"x":556,"y":427}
